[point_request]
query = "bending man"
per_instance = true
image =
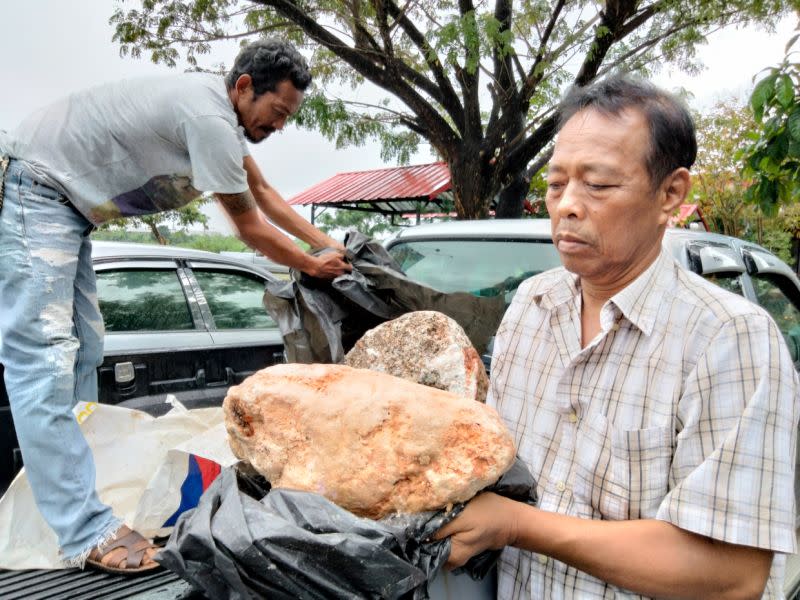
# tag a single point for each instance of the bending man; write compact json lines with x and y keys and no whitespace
{"x":129,"y":148}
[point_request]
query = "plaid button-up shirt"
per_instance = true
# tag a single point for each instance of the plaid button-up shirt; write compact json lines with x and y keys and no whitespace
{"x":683,"y":408}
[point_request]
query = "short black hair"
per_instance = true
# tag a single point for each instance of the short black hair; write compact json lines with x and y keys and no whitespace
{"x":673,"y":142}
{"x":268,"y":62}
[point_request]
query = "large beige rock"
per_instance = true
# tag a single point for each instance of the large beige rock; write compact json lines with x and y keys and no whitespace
{"x":427,"y":347}
{"x":370,"y":442}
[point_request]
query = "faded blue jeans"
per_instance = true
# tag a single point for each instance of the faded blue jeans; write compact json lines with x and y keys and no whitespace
{"x":51,"y":343}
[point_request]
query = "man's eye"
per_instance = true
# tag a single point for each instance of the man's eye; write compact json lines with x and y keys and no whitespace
{"x":599,"y":186}
{"x":554,"y":185}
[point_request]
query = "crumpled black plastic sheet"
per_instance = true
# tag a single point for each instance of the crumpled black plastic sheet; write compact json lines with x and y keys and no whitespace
{"x":246,"y":541}
{"x":321,"y":320}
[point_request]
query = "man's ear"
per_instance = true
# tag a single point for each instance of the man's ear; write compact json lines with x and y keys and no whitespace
{"x":244,"y":82}
{"x":674,"y":191}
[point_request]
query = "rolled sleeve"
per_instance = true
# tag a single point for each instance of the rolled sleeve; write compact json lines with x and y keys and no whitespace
{"x":732,"y":474}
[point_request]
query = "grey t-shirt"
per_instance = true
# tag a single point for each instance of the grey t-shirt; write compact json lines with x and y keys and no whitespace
{"x":137,"y":146}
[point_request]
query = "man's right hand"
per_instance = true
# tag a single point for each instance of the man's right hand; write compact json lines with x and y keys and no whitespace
{"x":487,"y":522}
{"x":329,"y":266}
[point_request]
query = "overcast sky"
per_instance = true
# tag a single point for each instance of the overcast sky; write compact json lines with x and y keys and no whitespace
{"x":52,"y":47}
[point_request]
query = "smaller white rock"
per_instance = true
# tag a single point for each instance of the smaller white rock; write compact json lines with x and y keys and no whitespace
{"x":425,"y":347}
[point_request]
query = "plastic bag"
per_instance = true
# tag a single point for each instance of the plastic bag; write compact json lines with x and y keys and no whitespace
{"x":147,"y":489}
{"x":321,"y":320}
{"x":246,"y":541}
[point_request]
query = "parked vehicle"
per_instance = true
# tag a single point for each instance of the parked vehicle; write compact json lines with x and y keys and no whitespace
{"x":490,"y":258}
{"x":183,"y":322}
{"x":218,"y":293}
{"x":494,"y":257}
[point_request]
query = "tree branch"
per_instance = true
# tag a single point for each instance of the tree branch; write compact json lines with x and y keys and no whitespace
{"x":613,"y":20}
{"x":612,"y":23}
{"x":537,"y":165}
{"x":535,"y":73}
{"x":519,"y":157}
{"x":503,"y":73}
{"x":647,"y":44}
{"x":639,"y":19}
{"x":449,"y":99}
{"x":437,"y":129}
{"x":473,"y":127}
{"x":383,"y":27}
{"x":531,"y":81}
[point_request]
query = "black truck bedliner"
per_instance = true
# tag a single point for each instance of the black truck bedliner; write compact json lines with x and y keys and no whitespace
{"x":74,"y":584}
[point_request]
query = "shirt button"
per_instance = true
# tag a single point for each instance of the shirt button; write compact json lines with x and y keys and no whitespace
{"x":542,"y":559}
{"x":573,"y":418}
{"x":561,"y":486}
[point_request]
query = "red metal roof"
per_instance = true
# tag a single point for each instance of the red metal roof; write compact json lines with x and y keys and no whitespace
{"x":398,"y":184}
{"x":684,"y":216}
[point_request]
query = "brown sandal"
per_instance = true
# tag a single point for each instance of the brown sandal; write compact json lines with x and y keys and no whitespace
{"x":136,"y":547}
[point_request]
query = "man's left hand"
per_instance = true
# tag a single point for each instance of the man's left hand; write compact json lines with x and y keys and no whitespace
{"x":332,"y":243}
{"x":329,"y":265}
{"x":487,"y":522}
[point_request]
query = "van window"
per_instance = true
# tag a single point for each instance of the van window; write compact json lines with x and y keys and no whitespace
{"x":235,"y":299}
{"x":781,"y":298}
{"x":727,"y":281}
{"x":481,"y":267}
{"x":143,"y":300}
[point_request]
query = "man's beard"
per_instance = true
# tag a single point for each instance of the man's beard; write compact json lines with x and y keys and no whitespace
{"x":252,"y":140}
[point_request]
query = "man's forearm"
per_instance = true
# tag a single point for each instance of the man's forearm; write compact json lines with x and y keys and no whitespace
{"x":280,"y":213}
{"x":648,"y":556}
{"x":277,"y":247}
{"x":254,"y":231}
{"x":274,"y":206}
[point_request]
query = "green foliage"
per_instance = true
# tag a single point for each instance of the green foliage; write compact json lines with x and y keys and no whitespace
{"x":122,"y":235}
{"x":332,"y":118}
{"x":718,"y":184}
{"x":778,"y":241}
{"x":476,"y":81}
{"x":371,"y":224}
{"x":772,"y":160}
{"x":212,"y":242}
{"x":159,"y":223}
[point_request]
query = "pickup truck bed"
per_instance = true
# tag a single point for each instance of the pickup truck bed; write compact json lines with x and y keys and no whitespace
{"x":74,"y":584}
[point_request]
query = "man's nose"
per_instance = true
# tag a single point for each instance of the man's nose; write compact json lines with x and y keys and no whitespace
{"x":570,"y":203}
{"x":279,"y":123}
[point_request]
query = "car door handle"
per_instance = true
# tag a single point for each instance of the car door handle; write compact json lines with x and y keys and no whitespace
{"x":178,"y":385}
{"x":230,"y":376}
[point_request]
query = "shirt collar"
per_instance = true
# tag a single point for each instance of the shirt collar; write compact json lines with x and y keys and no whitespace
{"x":639,"y":302}
{"x":562,"y":287}
{"x":642,"y":299}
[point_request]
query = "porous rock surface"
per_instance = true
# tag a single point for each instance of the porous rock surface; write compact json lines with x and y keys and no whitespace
{"x":424,"y":346}
{"x":370,"y":442}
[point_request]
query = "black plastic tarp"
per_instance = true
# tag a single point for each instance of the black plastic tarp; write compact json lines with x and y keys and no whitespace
{"x":321,"y":320}
{"x":246,"y":541}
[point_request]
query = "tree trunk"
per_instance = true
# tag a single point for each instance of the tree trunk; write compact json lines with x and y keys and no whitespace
{"x":510,"y":200}
{"x":511,"y":197}
{"x":157,"y":234}
{"x":468,"y":193}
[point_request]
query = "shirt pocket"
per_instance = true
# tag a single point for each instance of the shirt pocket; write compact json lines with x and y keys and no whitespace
{"x":620,"y":473}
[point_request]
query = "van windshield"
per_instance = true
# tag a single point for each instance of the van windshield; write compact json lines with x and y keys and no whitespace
{"x":487,"y":267}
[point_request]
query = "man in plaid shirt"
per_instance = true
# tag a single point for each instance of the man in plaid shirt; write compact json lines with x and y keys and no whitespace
{"x":657,"y":412}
